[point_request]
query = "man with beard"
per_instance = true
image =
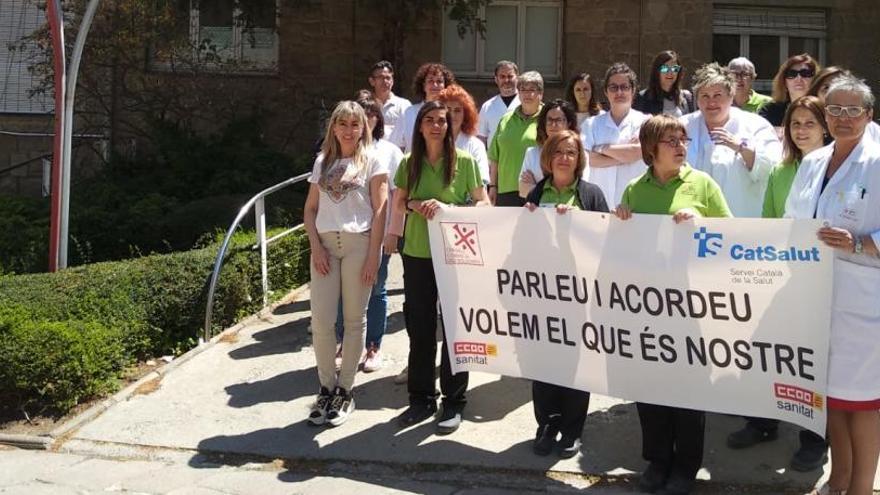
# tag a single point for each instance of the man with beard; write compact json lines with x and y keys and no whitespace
{"x":494,"y":108}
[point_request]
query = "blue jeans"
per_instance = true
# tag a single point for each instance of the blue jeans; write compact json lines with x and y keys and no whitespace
{"x":377,"y":309}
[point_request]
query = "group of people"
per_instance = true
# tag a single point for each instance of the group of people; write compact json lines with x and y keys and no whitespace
{"x":717,"y":149}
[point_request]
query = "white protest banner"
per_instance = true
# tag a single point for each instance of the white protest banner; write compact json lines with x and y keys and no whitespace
{"x":725,"y":315}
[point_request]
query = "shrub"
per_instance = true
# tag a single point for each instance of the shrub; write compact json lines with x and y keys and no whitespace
{"x":154,"y":305}
{"x":54,"y":365}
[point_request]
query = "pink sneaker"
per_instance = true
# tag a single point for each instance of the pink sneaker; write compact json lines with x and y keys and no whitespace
{"x":373,"y":360}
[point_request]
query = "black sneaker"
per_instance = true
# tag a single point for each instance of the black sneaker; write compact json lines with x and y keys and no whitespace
{"x":809,"y":457}
{"x":545,"y":439}
{"x":750,"y":436}
{"x":448,"y":422}
{"x":416,"y":413}
{"x":654,"y":477}
{"x":341,"y":407}
{"x":678,"y":484}
{"x":318,"y":416}
{"x":568,"y":447}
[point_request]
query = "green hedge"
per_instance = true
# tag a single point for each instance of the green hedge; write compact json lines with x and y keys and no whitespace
{"x":55,"y":327}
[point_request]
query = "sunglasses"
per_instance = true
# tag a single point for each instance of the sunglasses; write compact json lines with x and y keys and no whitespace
{"x":665,"y":69}
{"x":850,"y":111}
{"x":804,"y":73}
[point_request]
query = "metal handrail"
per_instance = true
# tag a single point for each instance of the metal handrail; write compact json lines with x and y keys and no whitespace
{"x":262,"y":243}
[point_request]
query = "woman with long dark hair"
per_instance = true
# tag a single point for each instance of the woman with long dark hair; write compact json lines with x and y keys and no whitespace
{"x":430,"y":178}
{"x":581,"y":94}
{"x":664,"y":93}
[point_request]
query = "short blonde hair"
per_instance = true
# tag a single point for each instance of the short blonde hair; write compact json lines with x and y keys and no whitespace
{"x":712,"y":74}
{"x":531,"y":77}
{"x":653,"y":130}
{"x":553,"y":142}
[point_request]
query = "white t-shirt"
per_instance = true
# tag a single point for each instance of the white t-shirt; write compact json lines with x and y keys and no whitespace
{"x":603,"y":130}
{"x":491,"y":112}
{"x":391,"y":155}
{"x":392,"y":110}
{"x":344,"y":203}
{"x":402,"y":133}
{"x":477,"y":149}
{"x":532,"y":163}
{"x":742,"y":188}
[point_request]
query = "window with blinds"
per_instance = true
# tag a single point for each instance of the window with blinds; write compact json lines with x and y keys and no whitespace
{"x":767,"y":37}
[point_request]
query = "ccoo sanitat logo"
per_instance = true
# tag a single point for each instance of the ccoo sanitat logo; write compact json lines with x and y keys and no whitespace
{"x":709,"y":244}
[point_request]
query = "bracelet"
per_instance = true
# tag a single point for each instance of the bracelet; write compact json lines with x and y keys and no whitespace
{"x":490,"y":186}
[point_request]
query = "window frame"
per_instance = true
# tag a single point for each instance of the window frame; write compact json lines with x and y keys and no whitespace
{"x":241,"y":64}
{"x":745,"y":34}
{"x":480,"y":42}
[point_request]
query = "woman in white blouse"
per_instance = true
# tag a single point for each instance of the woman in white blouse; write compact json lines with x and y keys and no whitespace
{"x":738,"y":149}
{"x":344,"y":217}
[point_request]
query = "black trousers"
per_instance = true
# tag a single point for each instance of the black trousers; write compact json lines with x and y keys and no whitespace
{"x":673,"y":437}
{"x":808,"y":439}
{"x":509,"y":199}
{"x":420,"y":314}
{"x":563,"y":409}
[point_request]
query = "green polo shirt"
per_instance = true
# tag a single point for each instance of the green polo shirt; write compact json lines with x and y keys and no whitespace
{"x":430,"y":186}
{"x":566,"y":196}
{"x":756,"y":101}
{"x":515,"y":134}
{"x":778,"y":185}
{"x":690,"y":189}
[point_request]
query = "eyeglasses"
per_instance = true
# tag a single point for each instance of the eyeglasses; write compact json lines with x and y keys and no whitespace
{"x":562,"y":121}
{"x":742,"y":75}
{"x":805,"y":73}
{"x":665,"y":69}
{"x":676,"y":142}
{"x":850,"y":111}
{"x":532,"y":91}
{"x":614,"y":88}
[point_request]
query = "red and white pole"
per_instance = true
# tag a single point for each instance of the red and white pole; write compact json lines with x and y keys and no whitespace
{"x":56,"y":29}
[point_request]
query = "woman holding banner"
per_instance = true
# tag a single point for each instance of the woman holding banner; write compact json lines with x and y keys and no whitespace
{"x":430,"y":178}
{"x":840,"y":184}
{"x":562,"y":410}
{"x":672,"y":438}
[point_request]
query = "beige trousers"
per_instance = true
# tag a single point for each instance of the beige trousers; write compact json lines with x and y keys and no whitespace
{"x":347,"y":254}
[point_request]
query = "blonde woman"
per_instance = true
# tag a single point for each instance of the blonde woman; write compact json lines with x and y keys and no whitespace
{"x":345,"y":220}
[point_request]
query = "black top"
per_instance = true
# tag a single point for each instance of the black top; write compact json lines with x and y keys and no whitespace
{"x":654,"y":106}
{"x":508,"y":99}
{"x":590,"y":196}
{"x":774,"y":112}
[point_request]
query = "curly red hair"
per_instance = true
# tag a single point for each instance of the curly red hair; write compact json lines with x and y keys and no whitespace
{"x":456,"y":93}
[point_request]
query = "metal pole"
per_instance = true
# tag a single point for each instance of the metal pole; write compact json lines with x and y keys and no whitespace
{"x":260,"y":212}
{"x":76,"y":58}
{"x":56,"y":29}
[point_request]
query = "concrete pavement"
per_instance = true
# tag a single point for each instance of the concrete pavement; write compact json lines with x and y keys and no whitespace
{"x":239,"y":407}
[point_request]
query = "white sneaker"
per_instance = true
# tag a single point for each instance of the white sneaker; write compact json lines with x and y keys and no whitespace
{"x":340,"y":408}
{"x":402,"y":377}
{"x":373,"y":360}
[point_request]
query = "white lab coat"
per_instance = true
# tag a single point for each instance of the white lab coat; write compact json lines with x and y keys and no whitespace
{"x":743,"y":188}
{"x":403,"y":130}
{"x":602,"y":130}
{"x":477,"y":149}
{"x":490,"y":114}
{"x":851,"y":200}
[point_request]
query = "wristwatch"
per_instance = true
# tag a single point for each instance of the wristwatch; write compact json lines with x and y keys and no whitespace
{"x":857,"y":245}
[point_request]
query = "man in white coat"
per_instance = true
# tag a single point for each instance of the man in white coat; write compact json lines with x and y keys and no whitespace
{"x":507,"y":99}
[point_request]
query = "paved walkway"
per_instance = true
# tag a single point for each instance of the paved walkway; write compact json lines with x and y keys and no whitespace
{"x":233,"y":420}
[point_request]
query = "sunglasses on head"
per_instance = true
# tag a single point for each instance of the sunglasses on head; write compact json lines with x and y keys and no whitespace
{"x":804,"y":73}
{"x":665,"y":69}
